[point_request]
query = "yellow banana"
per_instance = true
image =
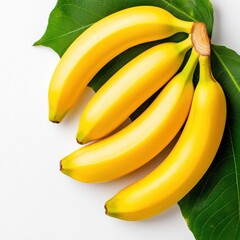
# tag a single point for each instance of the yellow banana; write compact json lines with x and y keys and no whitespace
{"x":102,"y":42}
{"x":129,"y":88}
{"x":141,"y":140}
{"x":188,"y":161}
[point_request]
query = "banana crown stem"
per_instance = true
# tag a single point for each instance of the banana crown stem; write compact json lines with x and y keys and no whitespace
{"x":200,"y":39}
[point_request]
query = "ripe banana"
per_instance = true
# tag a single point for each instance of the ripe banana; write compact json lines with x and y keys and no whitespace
{"x":188,"y":161}
{"x":141,"y":140}
{"x":129,"y":88}
{"x":102,"y":42}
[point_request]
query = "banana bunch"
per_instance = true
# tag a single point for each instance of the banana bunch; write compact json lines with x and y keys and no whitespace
{"x":202,"y":111}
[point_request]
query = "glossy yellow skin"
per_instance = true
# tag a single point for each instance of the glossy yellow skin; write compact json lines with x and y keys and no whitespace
{"x":129,"y":88}
{"x":141,"y":140}
{"x":102,"y":42}
{"x":188,"y":161}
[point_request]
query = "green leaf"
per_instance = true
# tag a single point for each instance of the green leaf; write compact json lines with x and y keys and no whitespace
{"x":212,"y":208}
{"x":70,"y":18}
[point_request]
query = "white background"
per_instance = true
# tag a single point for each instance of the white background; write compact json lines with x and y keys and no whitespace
{"x":37,"y":202}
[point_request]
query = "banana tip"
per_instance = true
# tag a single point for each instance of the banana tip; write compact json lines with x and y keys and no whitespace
{"x":110,"y":212}
{"x":79,"y":142}
{"x":60,"y":165}
{"x":106,"y":210}
{"x":54,"y":121}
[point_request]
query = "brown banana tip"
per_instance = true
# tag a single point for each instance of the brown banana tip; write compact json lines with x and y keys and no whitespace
{"x":106,"y":210}
{"x":79,"y":142}
{"x":53,"y":121}
{"x":61,"y":165}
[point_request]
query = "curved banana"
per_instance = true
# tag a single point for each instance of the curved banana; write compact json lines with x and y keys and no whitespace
{"x":188,"y":161}
{"x":129,"y":88}
{"x":141,"y":140}
{"x":102,"y":42}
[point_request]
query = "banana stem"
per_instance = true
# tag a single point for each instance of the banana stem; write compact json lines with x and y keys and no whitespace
{"x":186,"y":44}
{"x":185,"y":26}
{"x":200,"y":39}
{"x":191,"y":64}
{"x":205,"y":69}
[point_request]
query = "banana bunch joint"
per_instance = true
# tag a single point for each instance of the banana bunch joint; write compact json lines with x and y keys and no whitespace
{"x":178,"y":106}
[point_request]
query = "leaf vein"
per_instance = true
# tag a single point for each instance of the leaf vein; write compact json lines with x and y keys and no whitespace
{"x":236,"y":173}
{"x":68,"y":33}
{"x":204,"y":210}
{"x":224,"y":219}
{"x":225,"y":227}
{"x":81,"y":8}
{"x":178,"y":10}
{"x":214,"y":215}
{"x":227,"y":70}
